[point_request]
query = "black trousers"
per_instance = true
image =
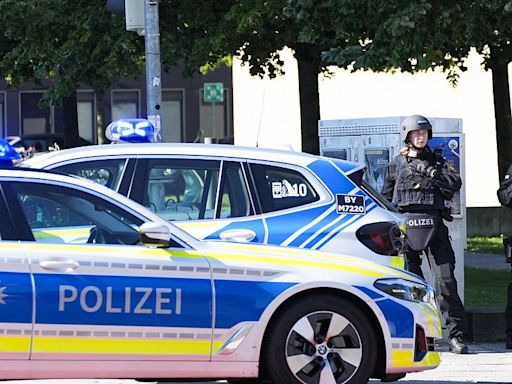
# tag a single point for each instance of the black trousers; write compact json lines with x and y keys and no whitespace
{"x":441,"y":260}
{"x":508,"y":312}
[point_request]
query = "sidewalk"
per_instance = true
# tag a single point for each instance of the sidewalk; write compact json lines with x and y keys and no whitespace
{"x":485,"y":363}
{"x":485,"y":261}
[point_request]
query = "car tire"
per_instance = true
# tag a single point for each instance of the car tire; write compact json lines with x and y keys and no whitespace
{"x":320,"y":338}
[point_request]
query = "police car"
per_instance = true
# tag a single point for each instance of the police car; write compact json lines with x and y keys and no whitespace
{"x":244,"y":194}
{"x":94,"y":285}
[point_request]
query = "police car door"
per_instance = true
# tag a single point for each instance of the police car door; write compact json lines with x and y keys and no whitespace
{"x":16,"y":295}
{"x":207,"y":197}
{"x":100,"y":296}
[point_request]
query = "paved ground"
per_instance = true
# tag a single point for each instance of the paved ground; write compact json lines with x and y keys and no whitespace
{"x":486,"y":363}
{"x":485,"y":261}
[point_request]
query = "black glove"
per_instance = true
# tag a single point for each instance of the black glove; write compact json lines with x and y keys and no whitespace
{"x":424,"y":168}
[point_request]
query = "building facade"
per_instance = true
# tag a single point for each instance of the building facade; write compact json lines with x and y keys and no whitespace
{"x":186,"y":117}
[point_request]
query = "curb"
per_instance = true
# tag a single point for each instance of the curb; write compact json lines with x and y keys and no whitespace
{"x":485,"y":324}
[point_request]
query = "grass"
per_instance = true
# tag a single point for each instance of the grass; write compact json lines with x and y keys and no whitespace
{"x":486,"y":245}
{"x":485,"y":288}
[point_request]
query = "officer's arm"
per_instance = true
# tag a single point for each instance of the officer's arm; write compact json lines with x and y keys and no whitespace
{"x":505,"y":190}
{"x":448,"y":178}
{"x":389,"y":181}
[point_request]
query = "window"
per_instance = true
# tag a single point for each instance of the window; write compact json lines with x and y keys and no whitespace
{"x":280,"y":188}
{"x":105,"y":172}
{"x":214,"y":118}
{"x":86,"y":115}
{"x":63,"y":215}
{"x":172,"y":116}
{"x":182,"y":189}
{"x":235,"y":201}
{"x":36,"y":119}
{"x":33,"y":118}
{"x":125,"y":104}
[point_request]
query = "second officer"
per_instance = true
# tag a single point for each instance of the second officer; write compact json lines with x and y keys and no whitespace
{"x":419,"y":180}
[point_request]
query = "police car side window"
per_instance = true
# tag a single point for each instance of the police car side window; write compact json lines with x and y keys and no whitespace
{"x":280,"y":188}
{"x":182,"y":189}
{"x":57,"y":214}
{"x":106,"y":172}
{"x":235,"y":200}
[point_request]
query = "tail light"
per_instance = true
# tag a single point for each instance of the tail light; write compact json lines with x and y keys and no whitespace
{"x":384,"y":238}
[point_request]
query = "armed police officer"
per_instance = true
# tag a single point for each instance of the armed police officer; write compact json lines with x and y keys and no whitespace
{"x":505,"y":198}
{"x":419,"y":180}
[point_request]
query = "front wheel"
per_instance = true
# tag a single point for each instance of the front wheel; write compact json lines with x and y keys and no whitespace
{"x":320,"y":339}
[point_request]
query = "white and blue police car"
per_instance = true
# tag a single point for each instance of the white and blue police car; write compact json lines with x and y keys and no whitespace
{"x":245,"y":194}
{"x":94,"y":285}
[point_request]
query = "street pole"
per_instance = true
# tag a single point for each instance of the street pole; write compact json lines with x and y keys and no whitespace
{"x":153,"y":68}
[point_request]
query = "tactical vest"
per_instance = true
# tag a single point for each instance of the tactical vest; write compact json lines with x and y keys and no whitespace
{"x":411,"y":187}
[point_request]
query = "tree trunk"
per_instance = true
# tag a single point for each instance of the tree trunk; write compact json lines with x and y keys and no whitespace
{"x":502,"y":112}
{"x":309,"y":59}
{"x":70,"y":117}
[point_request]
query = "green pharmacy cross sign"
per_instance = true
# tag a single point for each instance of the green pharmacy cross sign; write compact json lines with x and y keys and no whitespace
{"x":213,"y":93}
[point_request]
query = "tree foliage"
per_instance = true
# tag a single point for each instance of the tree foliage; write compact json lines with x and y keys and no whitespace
{"x":64,"y":44}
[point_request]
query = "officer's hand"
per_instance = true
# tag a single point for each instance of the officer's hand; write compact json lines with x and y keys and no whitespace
{"x":424,"y":168}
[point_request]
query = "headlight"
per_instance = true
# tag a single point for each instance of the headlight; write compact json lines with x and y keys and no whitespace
{"x":406,"y":290}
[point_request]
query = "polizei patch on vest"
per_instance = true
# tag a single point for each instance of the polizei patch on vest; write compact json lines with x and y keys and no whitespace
{"x":350,"y":204}
{"x":421,"y":223}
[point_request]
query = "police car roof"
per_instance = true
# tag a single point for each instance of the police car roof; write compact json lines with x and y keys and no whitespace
{"x":185,"y":149}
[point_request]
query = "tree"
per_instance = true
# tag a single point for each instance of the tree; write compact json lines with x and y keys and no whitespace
{"x":64,"y":44}
{"x":415,"y":36}
{"x":488,"y":29}
{"x":255,"y":31}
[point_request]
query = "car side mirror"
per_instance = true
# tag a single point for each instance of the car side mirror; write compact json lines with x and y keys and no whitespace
{"x":154,"y":235}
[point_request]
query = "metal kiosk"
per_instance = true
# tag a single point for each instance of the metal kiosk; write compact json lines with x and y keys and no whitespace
{"x":375,"y":141}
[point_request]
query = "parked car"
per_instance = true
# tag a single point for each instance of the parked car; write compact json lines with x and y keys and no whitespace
{"x":94,"y":285}
{"x":246,"y":194}
{"x":40,"y":142}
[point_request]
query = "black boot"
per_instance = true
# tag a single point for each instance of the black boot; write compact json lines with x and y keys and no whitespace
{"x":508,"y":343}
{"x":458,"y":346}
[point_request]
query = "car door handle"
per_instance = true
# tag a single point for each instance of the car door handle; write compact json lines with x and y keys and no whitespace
{"x":241,"y":235}
{"x":60,"y":265}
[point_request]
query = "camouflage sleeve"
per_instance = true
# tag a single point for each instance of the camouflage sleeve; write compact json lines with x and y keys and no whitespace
{"x":389,"y":180}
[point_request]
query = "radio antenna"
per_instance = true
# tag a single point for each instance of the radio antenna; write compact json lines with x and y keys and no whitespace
{"x":261,"y":117}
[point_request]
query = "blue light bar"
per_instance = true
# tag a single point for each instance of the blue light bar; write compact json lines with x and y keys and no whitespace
{"x":130,"y":131}
{"x":7,"y":154}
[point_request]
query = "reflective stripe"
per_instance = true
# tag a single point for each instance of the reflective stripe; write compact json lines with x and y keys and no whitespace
{"x":106,"y":249}
{"x":304,"y":263}
{"x":14,"y":344}
{"x":397,"y":262}
{"x":123,"y":346}
{"x":43,"y":233}
{"x":304,"y":258}
{"x":404,"y":359}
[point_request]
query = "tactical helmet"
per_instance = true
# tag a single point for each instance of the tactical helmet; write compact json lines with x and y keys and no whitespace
{"x":414,"y":123}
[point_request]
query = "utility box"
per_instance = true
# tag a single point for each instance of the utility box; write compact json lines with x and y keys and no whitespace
{"x":134,"y":14}
{"x":375,"y":141}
